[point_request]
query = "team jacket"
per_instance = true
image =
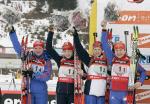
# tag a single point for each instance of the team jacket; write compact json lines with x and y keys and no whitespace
{"x":41,"y":66}
{"x":120,"y":73}
{"x":96,"y":73}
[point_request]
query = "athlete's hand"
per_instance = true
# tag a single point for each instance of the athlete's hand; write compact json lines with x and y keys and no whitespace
{"x":131,"y":88}
{"x":51,"y":28}
{"x":75,"y":31}
{"x":137,"y":85}
{"x":9,"y":28}
{"x":104,"y":24}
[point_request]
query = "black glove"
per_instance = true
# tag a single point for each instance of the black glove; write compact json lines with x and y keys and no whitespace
{"x":84,"y":76}
{"x":12,"y":29}
{"x":75,"y":31}
{"x":26,"y":73}
{"x":140,"y":55}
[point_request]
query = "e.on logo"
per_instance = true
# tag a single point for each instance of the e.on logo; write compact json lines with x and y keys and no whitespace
{"x":12,"y":101}
{"x":133,"y":17}
{"x":127,"y":18}
{"x":18,"y":101}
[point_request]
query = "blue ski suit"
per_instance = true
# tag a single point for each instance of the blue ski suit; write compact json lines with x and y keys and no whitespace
{"x":118,"y":96}
{"x":38,"y":86}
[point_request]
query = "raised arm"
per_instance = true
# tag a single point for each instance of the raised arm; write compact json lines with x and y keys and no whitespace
{"x":82,"y":53}
{"x":15,"y":42}
{"x":50,"y":49}
{"x":107,"y":49}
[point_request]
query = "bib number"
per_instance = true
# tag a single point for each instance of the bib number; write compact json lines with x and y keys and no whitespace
{"x":37,"y":68}
{"x":120,"y":71}
{"x":66,"y":71}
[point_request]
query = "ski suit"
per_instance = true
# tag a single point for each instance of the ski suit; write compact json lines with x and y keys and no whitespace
{"x":95,"y":85}
{"x":119,"y":73}
{"x":42,"y":67}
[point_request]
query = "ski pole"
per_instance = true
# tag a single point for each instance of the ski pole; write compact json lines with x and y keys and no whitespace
{"x":126,"y":33}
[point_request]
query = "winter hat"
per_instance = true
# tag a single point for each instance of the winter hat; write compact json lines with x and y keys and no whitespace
{"x":38,"y":43}
{"x":67,"y":46}
{"x":119,"y":45}
{"x":97,"y":44}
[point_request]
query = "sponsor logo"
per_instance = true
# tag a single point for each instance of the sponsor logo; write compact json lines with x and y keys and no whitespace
{"x":12,"y":101}
{"x":133,"y":17}
{"x":15,"y":99}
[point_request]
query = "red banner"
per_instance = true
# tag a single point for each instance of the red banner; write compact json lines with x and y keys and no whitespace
{"x":133,"y":17}
{"x":144,"y":40}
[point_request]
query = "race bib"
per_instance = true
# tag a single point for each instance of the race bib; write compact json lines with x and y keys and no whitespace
{"x":98,"y":70}
{"x":120,"y":77}
{"x":120,"y":70}
{"x":65,"y":71}
{"x":37,"y":68}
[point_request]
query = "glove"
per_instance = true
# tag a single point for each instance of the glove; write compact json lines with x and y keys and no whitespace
{"x":51,"y":28}
{"x":84,"y":76}
{"x":26,"y":73}
{"x":10,"y":28}
{"x":104,"y":24}
{"x":75,"y":31}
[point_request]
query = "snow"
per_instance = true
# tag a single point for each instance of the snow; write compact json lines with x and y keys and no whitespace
{"x":39,"y":25}
{"x":45,"y":7}
{"x":84,"y":8}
